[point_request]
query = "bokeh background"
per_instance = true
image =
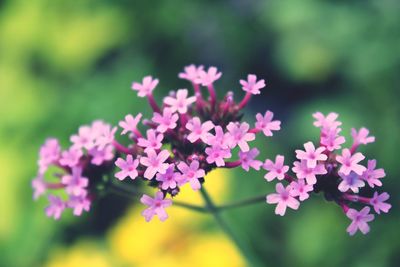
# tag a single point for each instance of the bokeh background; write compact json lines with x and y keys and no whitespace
{"x":65,"y":63}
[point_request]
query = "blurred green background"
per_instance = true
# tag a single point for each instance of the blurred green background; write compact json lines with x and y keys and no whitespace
{"x":65,"y":63}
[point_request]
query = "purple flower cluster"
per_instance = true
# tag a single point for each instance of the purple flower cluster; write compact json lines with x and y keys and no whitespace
{"x":339,"y":176}
{"x":189,"y":135}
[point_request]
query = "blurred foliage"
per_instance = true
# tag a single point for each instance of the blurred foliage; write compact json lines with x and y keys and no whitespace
{"x":65,"y":63}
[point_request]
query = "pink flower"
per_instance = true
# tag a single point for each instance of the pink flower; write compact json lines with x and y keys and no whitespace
{"x":199,"y":130}
{"x":106,"y":137}
{"x":349,"y":162}
{"x":146,"y":87}
{"x":283,"y":198}
{"x":247,"y":159}
{"x":351,"y":181}
{"x":156,"y":206}
{"x":359,"y":219}
{"x":155,"y":163}
{"x":328,"y":122}
{"x":252,"y":85}
{"x":372,"y":175}
{"x":49,"y":154}
{"x":84,"y":139}
{"x":311,"y":155}
{"x":39,"y":186}
{"x":191,"y":73}
{"x":99,"y":156}
{"x":130,"y":123}
{"x":181,"y":102}
{"x":216,"y":154}
{"x":300,"y":189}
{"x":277,"y":169}
{"x":79,"y":204}
{"x":266,"y":124}
{"x":219,"y":139}
{"x":303,"y":172}
{"x":208,"y":77}
{"x":71,"y":157}
{"x":361,"y":137}
{"x":128,"y":168}
{"x":75,"y":184}
{"x":378,"y":201}
{"x":153,"y":141}
{"x":56,"y":207}
{"x":165,"y":121}
{"x":238,"y":135}
{"x":191,"y":173}
{"x":331,"y":140}
{"x":169,"y":179}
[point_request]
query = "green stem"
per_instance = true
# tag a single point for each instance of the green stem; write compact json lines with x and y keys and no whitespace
{"x":242,"y":203}
{"x":246,"y":252}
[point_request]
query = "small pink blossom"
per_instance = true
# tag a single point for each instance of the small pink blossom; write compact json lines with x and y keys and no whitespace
{"x":372,"y":175}
{"x":378,"y":201}
{"x":56,"y":207}
{"x":156,"y":206}
{"x":252,"y":85}
{"x":106,"y":137}
{"x":216,"y":154}
{"x":165,"y":121}
{"x":130,"y":123}
{"x":303,"y":172}
{"x":154,"y":163}
{"x":283,"y":198}
{"x":39,"y":186}
{"x":191,"y":173}
{"x":311,"y":155}
{"x":199,"y":130}
{"x":85,"y":139}
{"x":79,"y":204}
{"x":99,"y":156}
{"x":331,"y":140}
{"x":300,"y":189}
{"x":71,"y":157}
{"x":351,"y":182}
{"x":49,"y":154}
{"x":247,"y":159}
{"x":238,"y":135}
{"x":350,"y":162}
{"x":191,"y":73}
{"x":75,"y":183}
{"x":359,"y":219}
{"x":169,"y":179}
{"x":361,"y":137}
{"x":146,"y":87}
{"x":328,"y":122}
{"x":219,"y":139}
{"x":266,"y":124}
{"x":276,"y":169}
{"x":153,"y":141}
{"x":181,"y":102}
{"x":128,"y":168}
{"x":208,"y":77}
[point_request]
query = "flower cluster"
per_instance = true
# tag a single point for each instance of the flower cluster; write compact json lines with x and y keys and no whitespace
{"x":92,"y":152}
{"x":189,"y":135}
{"x":338,"y":175}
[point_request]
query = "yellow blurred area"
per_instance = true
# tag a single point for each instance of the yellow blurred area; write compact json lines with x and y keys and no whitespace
{"x":182,"y":240}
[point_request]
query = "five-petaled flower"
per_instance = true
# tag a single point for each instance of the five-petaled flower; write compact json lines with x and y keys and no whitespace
{"x":359,"y":220}
{"x":199,"y":130}
{"x":252,"y":86}
{"x":156,"y":206}
{"x":191,"y":173}
{"x":165,"y":121}
{"x":154,"y":163}
{"x":275,"y":169}
{"x":350,"y":162}
{"x":266,"y":124}
{"x":180,"y":102}
{"x":283,"y":198}
{"x":146,"y":87}
{"x":128,"y":168}
{"x":311,"y":155}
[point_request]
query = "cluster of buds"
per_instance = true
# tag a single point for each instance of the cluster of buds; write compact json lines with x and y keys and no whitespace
{"x":187,"y":137}
{"x":339,"y":176}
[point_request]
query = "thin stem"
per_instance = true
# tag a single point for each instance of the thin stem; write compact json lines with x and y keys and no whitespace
{"x":247,"y":253}
{"x":153,"y":103}
{"x":245,"y":100}
{"x":242,"y":203}
{"x":120,"y":148}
